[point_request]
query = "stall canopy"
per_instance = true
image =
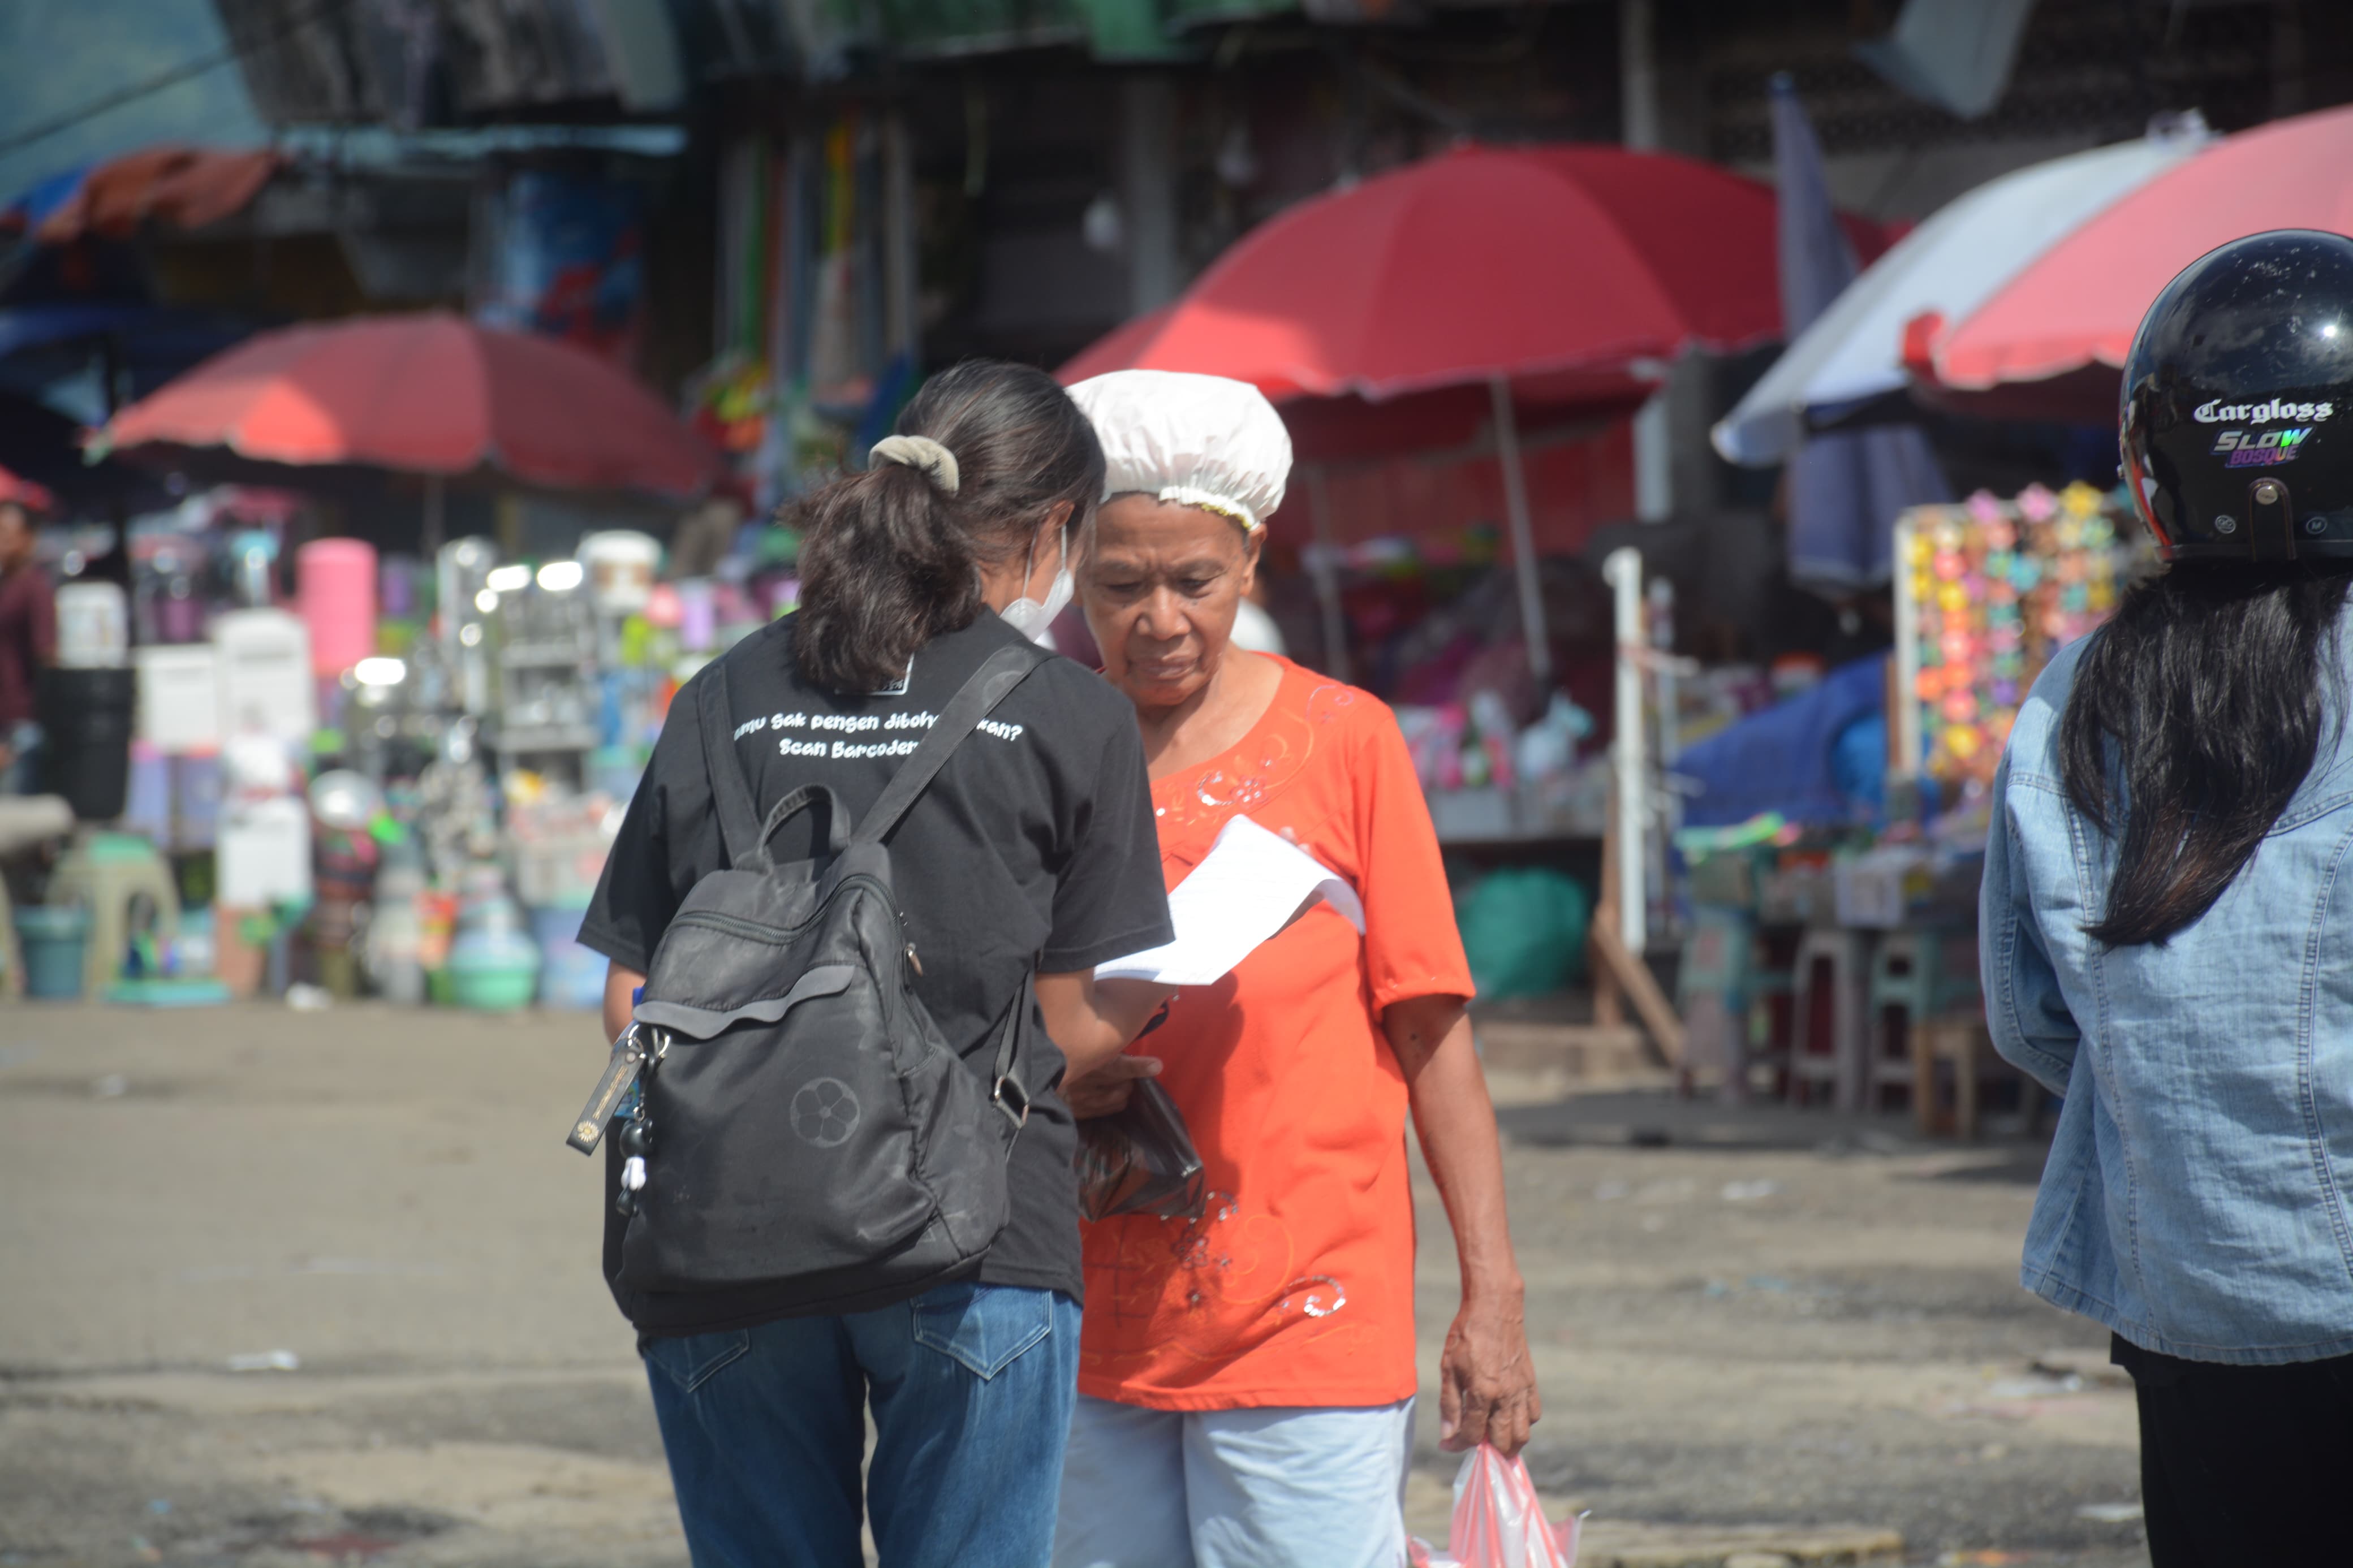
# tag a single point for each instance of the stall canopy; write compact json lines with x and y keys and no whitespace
{"x":428,"y":394}
{"x":2052,"y":341}
{"x":1852,"y":358}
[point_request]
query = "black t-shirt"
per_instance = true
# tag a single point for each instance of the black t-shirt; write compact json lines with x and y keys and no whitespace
{"x":1033,"y":848}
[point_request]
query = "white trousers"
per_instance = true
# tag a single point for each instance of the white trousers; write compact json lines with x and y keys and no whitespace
{"x":1275,"y":1487}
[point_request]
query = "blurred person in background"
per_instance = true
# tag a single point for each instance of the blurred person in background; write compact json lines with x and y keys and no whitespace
{"x":28,"y":632}
{"x":2166,"y":926}
{"x":1247,"y":1379}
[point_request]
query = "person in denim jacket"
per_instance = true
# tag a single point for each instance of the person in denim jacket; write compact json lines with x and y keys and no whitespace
{"x":2168,"y":918}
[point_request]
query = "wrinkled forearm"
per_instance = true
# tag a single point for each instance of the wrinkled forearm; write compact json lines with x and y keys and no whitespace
{"x":1456,"y":1123}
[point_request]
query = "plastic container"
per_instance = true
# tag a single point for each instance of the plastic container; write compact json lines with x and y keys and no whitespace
{"x":493,"y":964}
{"x":86,"y":718}
{"x":265,"y":676}
{"x":93,"y":626}
{"x":395,"y":935}
{"x":53,"y":938}
{"x":494,"y":975}
{"x":335,"y":584}
{"x":195,"y":947}
{"x":621,"y":564}
{"x":571,"y":976}
{"x":179,"y":697}
{"x":572,"y":979}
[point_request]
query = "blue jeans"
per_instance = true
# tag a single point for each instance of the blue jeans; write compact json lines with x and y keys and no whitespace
{"x":21,"y":774}
{"x":972,"y":1387}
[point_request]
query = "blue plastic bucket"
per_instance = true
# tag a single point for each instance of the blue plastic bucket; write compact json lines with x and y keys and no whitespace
{"x":53,"y":938}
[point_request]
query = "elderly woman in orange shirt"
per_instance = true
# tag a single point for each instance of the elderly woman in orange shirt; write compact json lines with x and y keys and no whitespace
{"x":1247,"y":1379}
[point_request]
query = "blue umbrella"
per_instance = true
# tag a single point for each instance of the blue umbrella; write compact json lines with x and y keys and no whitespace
{"x":1846,"y":487}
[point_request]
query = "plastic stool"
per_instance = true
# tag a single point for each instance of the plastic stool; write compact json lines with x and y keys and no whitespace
{"x":1832,"y":1046}
{"x":1910,"y":984}
{"x":107,"y":873}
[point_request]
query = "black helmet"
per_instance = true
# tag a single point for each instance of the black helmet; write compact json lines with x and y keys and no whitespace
{"x":2238,"y":403}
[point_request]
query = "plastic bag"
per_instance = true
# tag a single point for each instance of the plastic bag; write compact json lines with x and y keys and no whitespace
{"x":1139,"y":1160}
{"x":1498,"y":1523}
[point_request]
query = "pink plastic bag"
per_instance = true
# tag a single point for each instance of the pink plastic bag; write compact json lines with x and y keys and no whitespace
{"x":1498,"y":1523}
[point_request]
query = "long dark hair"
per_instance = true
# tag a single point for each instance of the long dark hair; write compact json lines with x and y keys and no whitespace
{"x":2194,"y":716}
{"x":890,"y":560}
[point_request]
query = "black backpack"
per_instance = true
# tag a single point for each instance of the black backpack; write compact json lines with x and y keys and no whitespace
{"x":803,"y":1126}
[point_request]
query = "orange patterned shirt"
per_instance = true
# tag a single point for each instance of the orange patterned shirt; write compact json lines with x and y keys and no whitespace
{"x":1297,"y":1286}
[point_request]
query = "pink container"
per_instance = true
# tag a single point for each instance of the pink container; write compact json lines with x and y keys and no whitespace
{"x":334,"y":588}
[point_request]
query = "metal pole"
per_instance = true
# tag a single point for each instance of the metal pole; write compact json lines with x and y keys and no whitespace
{"x":1524,"y":540}
{"x":435,"y":525}
{"x":898,"y":225}
{"x":1325,"y":570}
{"x":1623,"y":572}
{"x":1903,"y":709}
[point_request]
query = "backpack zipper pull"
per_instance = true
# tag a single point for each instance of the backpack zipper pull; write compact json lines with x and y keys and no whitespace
{"x":915,"y":962}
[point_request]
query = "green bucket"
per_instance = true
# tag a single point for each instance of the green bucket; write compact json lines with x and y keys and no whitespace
{"x":54,"y":938}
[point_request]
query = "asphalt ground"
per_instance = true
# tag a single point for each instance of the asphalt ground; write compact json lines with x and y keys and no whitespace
{"x":1756,"y":1330}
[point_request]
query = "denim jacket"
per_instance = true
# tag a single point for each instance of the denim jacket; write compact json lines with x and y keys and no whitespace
{"x":2196,"y":1197}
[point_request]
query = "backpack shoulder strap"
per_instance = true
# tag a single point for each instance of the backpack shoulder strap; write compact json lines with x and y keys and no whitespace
{"x":982,"y":690}
{"x":731,"y":792}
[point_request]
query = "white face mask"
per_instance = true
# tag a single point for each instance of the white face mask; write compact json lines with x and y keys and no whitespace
{"x":1026,"y":614}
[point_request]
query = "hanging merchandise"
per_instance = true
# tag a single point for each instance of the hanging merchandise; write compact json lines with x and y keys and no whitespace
{"x":568,"y":261}
{"x":1988,"y":591}
{"x":839,"y":376}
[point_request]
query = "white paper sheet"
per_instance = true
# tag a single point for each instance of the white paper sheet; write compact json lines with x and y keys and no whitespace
{"x":1246,"y":889}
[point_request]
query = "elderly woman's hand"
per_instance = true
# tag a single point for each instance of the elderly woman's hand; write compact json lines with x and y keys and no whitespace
{"x":1486,"y":1384}
{"x":1107,"y":1087}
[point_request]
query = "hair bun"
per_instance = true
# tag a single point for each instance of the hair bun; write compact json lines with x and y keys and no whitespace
{"x":933,"y":461}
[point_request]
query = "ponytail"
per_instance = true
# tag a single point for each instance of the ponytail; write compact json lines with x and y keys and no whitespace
{"x":891,"y":558}
{"x":885,"y":568}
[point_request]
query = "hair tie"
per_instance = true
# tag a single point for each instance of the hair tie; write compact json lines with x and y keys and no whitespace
{"x":922,"y":454}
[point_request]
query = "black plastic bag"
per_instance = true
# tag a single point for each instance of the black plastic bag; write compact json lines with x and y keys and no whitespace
{"x":1139,"y":1160}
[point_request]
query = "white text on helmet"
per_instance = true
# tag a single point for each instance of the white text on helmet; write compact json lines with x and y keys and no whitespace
{"x":2260,"y":412}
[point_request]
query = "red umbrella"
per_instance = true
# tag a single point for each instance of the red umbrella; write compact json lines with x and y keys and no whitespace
{"x":1485,"y":276}
{"x":2052,"y":341}
{"x":1484,"y":260}
{"x":431,"y":394}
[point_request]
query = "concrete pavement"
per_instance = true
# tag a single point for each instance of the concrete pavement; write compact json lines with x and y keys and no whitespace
{"x":1802,"y":1351}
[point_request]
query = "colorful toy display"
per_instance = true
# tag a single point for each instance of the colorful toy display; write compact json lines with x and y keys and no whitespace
{"x":1988,"y":591}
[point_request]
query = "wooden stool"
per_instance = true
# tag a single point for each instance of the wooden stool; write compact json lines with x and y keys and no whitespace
{"x":1831,"y":1045}
{"x":1961,"y":1038}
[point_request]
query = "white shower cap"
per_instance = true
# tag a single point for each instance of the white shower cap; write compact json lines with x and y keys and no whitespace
{"x":1196,"y":441}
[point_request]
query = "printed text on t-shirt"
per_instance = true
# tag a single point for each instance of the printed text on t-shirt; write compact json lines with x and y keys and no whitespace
{"x":791,"y":745}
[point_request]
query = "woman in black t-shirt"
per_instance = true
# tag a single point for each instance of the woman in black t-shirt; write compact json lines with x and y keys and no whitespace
{"x":1032,"y":851}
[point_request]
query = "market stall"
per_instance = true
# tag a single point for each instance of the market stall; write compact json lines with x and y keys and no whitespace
{"x":1832,"y":953}
{"x":296,"y":760}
